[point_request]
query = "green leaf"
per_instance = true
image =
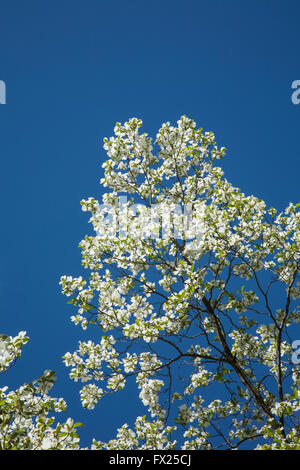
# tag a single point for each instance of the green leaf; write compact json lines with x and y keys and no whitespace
{"x":269,"y":432}
{"x":229,"y":295}
{"x":76,"y":425}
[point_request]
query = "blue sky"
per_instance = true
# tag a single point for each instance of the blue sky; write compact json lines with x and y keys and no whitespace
{"x":72,"y":69}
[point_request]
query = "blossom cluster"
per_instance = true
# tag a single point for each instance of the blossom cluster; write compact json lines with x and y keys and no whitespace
{"x":27,"y":415}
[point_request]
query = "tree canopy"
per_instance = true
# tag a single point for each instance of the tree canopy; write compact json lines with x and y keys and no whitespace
{"x":184,"y":280}
{"x":193,"y":287}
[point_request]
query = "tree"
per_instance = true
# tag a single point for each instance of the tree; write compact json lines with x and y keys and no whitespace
{"x":193,"y":288}
{"x":25,"y":423}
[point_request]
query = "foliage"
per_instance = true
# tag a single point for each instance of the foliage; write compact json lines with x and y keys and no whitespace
{"x":193,"y":287}
{"x":193,"y":290}
{"x":25,"y":423}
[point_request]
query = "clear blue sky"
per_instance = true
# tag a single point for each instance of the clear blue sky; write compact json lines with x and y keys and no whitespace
{"x":72,"y":69}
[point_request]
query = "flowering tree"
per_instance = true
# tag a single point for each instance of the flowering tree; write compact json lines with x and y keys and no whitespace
{"x":194,"y":286}
{"x":25,"y":423}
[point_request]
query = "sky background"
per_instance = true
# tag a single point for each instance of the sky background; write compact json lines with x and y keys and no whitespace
{"x":72,"y":70}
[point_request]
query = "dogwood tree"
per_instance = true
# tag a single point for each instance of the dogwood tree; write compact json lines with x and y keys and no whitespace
{"x":27,"y":414}
{"x":193,"y":288}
